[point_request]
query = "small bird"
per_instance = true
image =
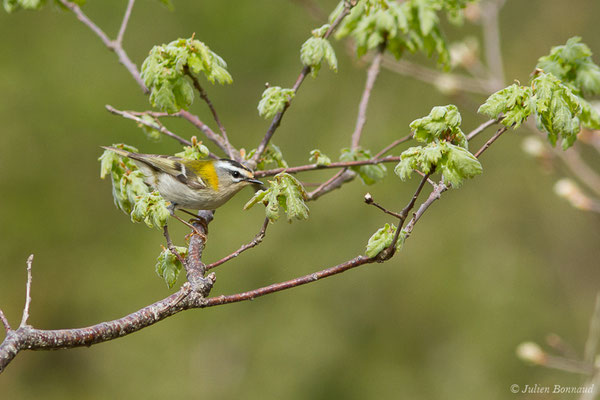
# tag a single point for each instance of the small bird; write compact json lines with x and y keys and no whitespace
{"x":193,"y":184}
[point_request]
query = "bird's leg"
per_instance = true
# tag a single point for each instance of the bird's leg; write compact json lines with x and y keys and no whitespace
{"x":200,"y":220}
{"x":195,"y":230}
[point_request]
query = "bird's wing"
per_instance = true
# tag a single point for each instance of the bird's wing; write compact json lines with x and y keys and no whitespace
{"x":172,"y":166}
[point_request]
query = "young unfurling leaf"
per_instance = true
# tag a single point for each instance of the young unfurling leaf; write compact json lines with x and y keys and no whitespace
{"x":284,"y":192}
{"x":314,"y":51}
{"x":455,"y":162}
{"x":369,"y":174}
{"x":442,"y":124}
{"x":274,"y":100}
{"x":513,"y":102}
{"x":168,"y":266}
{"x":164,"y":72}
{"x":151,"y":209}
{"x":318,"y":158}
{"x":382,"y":239}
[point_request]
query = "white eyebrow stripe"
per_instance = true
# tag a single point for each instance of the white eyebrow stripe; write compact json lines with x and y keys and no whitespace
{"x":233,"y":168}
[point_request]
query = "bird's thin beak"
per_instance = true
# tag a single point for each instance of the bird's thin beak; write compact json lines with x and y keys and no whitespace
{"x":255,"y":181}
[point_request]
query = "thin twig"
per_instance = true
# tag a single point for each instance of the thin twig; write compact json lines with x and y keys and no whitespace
{"x":312,"y":167}
{"x":492,"y":140}
{"x":316,"y":193}
{"x":491,"y":38}
{"x":119,"y":40}
{"x":303,"y":74}
{"x":7,"y":327}
{"x":28,"y":294}
{"x":369,"y":200}
{"x":394,"y":144}
{"x":204,"y":96}
{"x":482,"y":128}
{"x":112,"y":45}
{"x":292,"y":283}
{"x":256,"y":241}
{"x":158,"y":127}
{"x":209,"y":133}
{"x":171,"y":247}
{"x":372,"y":74}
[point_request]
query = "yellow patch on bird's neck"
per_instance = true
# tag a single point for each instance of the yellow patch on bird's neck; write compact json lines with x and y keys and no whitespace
{"x":208,"y":174}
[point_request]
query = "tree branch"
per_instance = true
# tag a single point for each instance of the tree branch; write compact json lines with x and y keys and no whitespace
{"x":492,"y":140}
{"x":28,"y":294}
{"x":119,"y":40}
{"x":112,"y":45}
{"x":303,"y":74}
{"x":7,"y":327}
{"x":228,"y":147}
{"x":372,"y":74}
{"x":209,"y":133}
{"x":253,"y":243}
{"x":160,"y":128}
{"x":312,"y":167}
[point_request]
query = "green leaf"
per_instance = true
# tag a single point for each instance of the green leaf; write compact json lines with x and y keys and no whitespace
{"x":318,"y":158}
{"x":513,"y":102}
{"x":455,"y":162}
{"x":459,"y":165}
{"x":442,"y":123}
{"x":412,"y":25}
{"x":285,"y":192}
{"x":274,"y":100}
{"x":369,"y":174}
{"x":314,"y":51}
{"x":572,"y":64}
{"x":151,"y":209}
{"x":168,"y":266}
{"x":557,"y":109}
{"x":164,"y":72}
{"x":383,"y":239}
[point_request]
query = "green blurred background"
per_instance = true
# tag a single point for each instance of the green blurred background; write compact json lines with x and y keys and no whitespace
{"x":496,"y":263}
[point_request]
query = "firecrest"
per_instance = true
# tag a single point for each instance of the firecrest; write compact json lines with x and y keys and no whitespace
{"x":193,"y":184}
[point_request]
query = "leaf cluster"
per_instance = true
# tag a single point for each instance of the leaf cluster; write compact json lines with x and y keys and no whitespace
{"x":572,"y":64}
{"x":369,"y":174}
{"x":316,"y":50}
{"x":383,"y":239}
{"x":168,"y":265}
{"x":164,"y":72}
{"x":285,"y":192}
{"x":130,"y":192}
{"x":445,"y":150}
{"x":127,"y":180}
{"x":411,"y":25}
{"x":442,"y":124}
{"x":554,"y":95}
{"x":274,"y":100}
{"x":151,"y":209}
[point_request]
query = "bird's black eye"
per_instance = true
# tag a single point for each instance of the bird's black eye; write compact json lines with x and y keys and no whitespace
{"x":235,"y":174}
